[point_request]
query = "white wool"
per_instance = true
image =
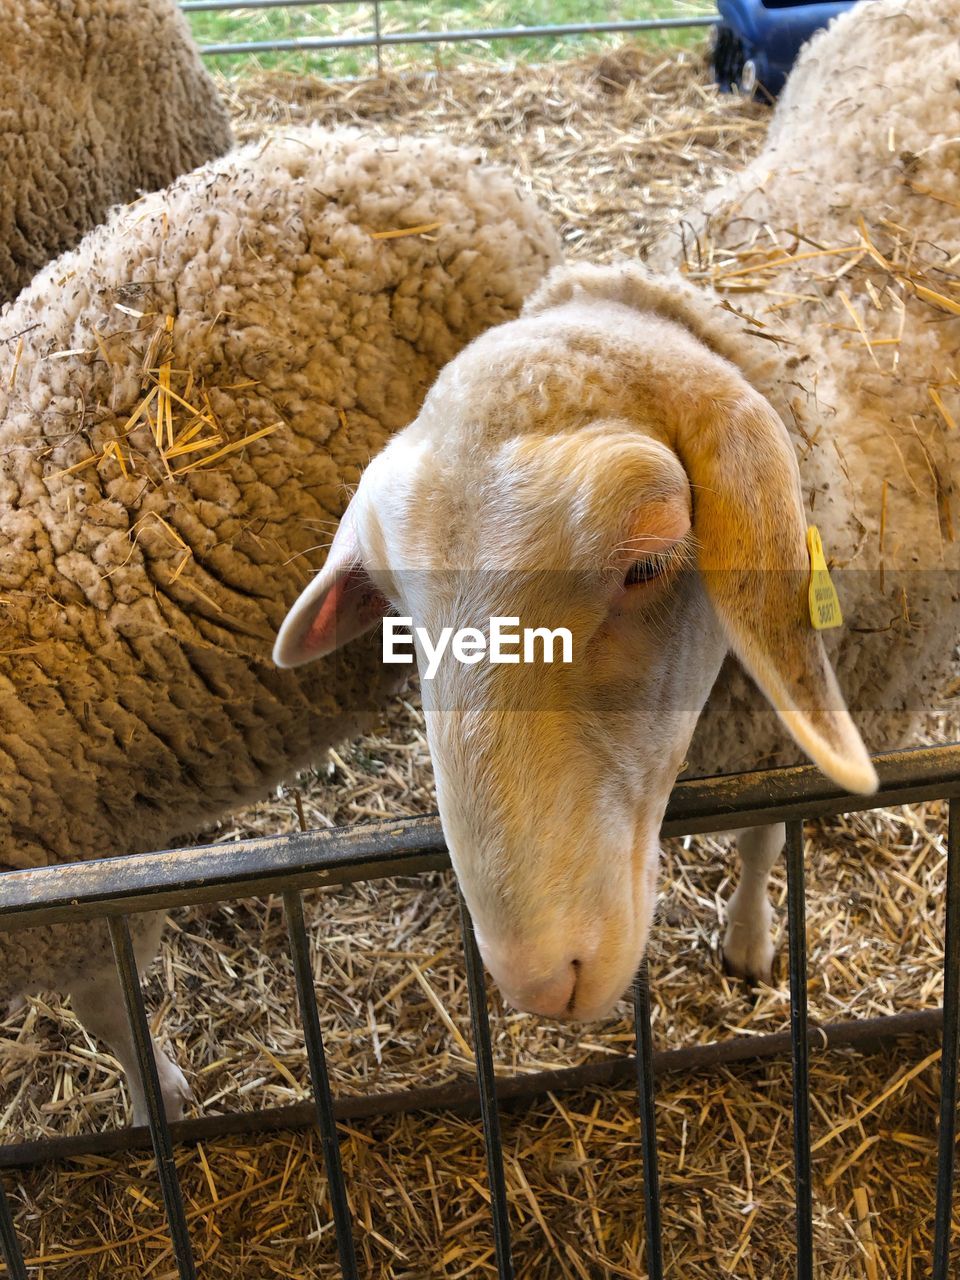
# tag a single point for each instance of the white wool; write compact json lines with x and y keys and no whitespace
{"x":865,"y":137}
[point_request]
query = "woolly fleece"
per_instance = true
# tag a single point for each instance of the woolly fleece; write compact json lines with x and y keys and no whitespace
{"x":99,"y":101}
{"x":134,"y":707}
{"x":866,"y":135}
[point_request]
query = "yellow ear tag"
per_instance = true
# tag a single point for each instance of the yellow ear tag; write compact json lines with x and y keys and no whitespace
{"x":822,"y":594}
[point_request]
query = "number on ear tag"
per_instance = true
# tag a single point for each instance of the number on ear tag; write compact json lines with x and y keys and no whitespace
{"x":824,"y":602}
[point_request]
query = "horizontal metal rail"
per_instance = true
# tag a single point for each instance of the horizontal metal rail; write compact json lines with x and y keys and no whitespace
{"x":218,"y":6}
{"x":865,"y":1035}
{"x":393,"y":38}
{"x":183,"y":877}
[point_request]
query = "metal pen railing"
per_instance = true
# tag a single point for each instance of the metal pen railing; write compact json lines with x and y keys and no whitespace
{"x":951,"y":1048}
{"x":648,"y":1123}
{"x":116,"y":889}
{"x":799,"y":1047}
{"x":379,"y":39}
{"x":149,"y":1079}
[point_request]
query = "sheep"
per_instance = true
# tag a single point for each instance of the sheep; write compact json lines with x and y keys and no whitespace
{"x":884,"y":74}
{"x":300,"y":294}
{"x":636,"y":459}
{"x":891,"y":63}
{"x":99,"y":100}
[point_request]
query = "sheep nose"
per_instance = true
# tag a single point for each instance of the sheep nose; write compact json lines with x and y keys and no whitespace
{"x":552,"y":997}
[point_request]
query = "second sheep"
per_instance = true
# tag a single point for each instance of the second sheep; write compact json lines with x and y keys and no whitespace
{"x":195,"y":391}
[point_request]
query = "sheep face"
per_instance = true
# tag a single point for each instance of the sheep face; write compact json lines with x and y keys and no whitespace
{"x":552,"y":776}
{"x":550,"y":479}
{"x":552,"y":780}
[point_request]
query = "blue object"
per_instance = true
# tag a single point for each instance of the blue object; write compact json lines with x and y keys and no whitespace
{"x":757,"y":41}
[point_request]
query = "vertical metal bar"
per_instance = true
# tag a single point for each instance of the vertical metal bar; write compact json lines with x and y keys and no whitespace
{"x":150,"y":1081}
{"x":486,"y":1083}
{"x":799,"y":1040}
{"x":376,"y":30}
{"x":320,"y":1077}
{"x":648,"y":1121}
{"x":9,"y":1245}
{"x":951,"y":1048}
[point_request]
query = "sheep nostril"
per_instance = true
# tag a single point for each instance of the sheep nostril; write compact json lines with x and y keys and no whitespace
{"x":575,"y":965}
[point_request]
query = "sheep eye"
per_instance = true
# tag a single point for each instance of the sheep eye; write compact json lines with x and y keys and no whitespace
{"x":643,"y":570}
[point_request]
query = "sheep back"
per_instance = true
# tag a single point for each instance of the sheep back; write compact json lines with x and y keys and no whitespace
{"x":865,"y":127}
{"x":137,"y":612}
{"x":99,"y":100}
{"x":835,"y":252}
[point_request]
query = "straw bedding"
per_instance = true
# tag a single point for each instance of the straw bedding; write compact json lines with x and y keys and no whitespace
{"x":614,"y":148}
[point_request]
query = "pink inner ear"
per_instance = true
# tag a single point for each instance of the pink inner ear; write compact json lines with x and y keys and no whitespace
{"x":350,"y":607}
{"x":655,"y":527}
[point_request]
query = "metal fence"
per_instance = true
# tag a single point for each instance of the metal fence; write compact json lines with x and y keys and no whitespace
{"x":379,"y":39}
{"x":116,"y":889}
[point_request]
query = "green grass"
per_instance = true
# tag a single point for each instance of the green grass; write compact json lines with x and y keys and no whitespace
{"x":234,"y":26}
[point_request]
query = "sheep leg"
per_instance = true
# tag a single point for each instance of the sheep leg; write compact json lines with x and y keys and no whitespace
{"x":99,"y":1004}
{"x":747,"y":944}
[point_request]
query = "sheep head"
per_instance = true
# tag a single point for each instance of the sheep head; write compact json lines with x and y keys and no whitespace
{"x":596,"y":469}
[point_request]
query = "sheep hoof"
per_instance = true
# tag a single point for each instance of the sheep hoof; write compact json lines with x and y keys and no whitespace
{"x":748,"y":950}
{"x":174,"y":1088}
{"x":751,"y":966}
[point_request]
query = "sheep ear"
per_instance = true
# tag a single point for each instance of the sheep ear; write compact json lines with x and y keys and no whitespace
{"x":340,"y":604}
{"x":750,"y":527}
